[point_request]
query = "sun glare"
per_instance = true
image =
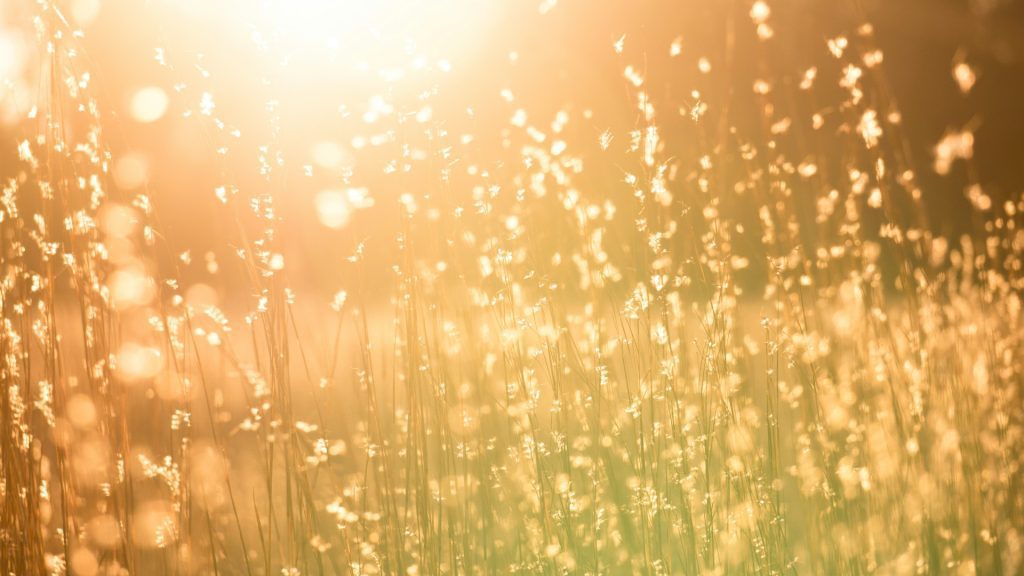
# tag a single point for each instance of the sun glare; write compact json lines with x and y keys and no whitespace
{"x":475,"y":287}
{"x":396,"y":34}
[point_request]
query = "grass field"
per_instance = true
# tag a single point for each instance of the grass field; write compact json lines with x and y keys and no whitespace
{"x":412,"y":288}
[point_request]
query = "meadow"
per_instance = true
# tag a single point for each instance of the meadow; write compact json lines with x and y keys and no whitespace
{"x":661,"y":297}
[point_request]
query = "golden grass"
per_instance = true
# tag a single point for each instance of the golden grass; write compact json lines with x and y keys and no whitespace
{"x":606,"y":357}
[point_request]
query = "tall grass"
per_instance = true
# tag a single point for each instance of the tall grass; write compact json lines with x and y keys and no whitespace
{"x":748,"y":353}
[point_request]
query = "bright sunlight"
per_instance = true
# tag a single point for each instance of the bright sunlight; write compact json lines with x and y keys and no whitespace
{"x":559,"y":287}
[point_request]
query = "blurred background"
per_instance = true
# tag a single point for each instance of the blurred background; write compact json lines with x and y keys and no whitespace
{"x":356,"y":104}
